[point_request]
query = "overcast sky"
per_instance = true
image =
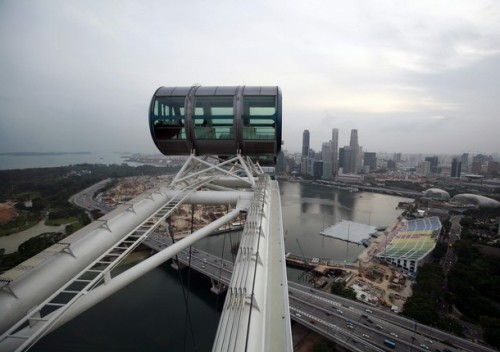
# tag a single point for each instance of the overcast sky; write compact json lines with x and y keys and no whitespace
{"x":411,"y":76}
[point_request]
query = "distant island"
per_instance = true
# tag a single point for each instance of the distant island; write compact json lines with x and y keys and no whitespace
{"x":44,"y":153}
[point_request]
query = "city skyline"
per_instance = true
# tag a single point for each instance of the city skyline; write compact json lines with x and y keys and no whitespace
{"x":418,"y":77}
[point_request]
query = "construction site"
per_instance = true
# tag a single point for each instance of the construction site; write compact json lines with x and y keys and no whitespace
{"x":372,"y":280}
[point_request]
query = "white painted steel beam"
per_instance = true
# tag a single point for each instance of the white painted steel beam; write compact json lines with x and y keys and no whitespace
{"x":256,"y":315}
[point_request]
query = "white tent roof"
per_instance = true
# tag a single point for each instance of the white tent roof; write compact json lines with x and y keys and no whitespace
{"x":349,"y":231}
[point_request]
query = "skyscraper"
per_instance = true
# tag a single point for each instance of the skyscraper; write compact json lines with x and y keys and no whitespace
{"x":355,"y":153}
{"x":354,"y":139}
{"x":456,"y":168}
{"x":326,"y":155}
{"x":370,"y":161}
{"x":465,"y":162}
{"x":349,"y":160}
{"x":433,"y":160}
{"x":335,"y":151}
{"x":305,"y":142}
{"x":305,"y":152}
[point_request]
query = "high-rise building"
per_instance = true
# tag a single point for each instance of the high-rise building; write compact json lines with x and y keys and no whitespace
{"x":433,"y":160}
{"x":424,"y":168}
{"x":305,"y":142}
{"x":456,"y":168}
{"x":317,"y":170}
{"x":335,"y":151}
{"x":465,"y":162}
{"x":349,"y":160}
{"x":369,"y":161}
{"x":355,"y":164}
{"x":397,"y":157}
{"x":311,"y":156}
{"x":354,"y":139}
{"x":326,"y":156}
{"x":305,"y":152}
{"x":341,"y":158}
{"x":280,"y":167}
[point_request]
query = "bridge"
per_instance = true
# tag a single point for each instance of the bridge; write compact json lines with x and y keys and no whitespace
{"x":353,"y":325}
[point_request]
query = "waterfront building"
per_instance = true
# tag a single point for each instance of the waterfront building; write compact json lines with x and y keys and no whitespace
{"x":335,"y":151}
{"x":280,"y":163}
{"x":317,"y":168}
{"x":326,"y":156}
{"x":341,"y":160}
{"x":355,"y":152}
{"x":305,"y":152}
{"x":369,"y":161}
{"x":310,"y":162}
{"x":412,"y":246}
{"x":349,"y":160}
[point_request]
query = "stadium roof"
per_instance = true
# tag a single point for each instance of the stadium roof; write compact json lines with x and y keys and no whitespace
{"x":349,"y":231}
{"x":414,"y":240}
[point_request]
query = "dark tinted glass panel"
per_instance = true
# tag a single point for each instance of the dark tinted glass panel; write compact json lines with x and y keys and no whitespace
{"x":168,"y":118}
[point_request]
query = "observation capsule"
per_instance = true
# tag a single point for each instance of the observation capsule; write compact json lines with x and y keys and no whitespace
{"x":217,"y":121}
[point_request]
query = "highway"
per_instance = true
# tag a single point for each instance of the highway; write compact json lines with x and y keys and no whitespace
{"x":85,"y":198}
{"x":352,"y":324}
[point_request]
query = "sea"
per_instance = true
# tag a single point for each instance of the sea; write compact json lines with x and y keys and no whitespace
{"x":151,"y":314}
{"x":9,"y":161}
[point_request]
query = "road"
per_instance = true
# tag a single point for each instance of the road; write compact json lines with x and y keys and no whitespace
{"x":350,"y":323}
{"x":85,"y":198}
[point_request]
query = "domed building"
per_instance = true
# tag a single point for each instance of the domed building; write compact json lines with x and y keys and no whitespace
{"x":437,"y":194}
{"x":480,"y":201}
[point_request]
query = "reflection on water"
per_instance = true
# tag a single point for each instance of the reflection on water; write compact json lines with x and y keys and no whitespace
{"x":150,"y":314}
{"x":308,"y":209}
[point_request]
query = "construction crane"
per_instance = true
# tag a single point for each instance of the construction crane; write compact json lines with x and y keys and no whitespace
{"x":302,"y":252}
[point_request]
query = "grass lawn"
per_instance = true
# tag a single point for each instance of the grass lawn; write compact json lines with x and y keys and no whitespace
{"x":61,"y":221}
{"x":27,"y":225}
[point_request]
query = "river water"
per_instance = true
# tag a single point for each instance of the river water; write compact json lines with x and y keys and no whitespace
{"x":11,"y":242}
{"x":150,"y":314}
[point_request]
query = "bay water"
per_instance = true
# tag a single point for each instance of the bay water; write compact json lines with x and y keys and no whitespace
{"x":150,"y":314}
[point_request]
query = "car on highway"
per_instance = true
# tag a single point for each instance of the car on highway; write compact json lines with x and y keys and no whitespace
{"x":339,"y":311}
{"x":365,"y":336}
{"x":369,"y":311}
{"x":393,"y":334}
{"x":424,"y":346}
{"x":297,"y":314}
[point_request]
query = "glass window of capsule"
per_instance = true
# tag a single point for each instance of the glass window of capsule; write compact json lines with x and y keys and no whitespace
{"x":259,"y":117}
{"x":213,"y":118}
{"x":169,"y":118}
